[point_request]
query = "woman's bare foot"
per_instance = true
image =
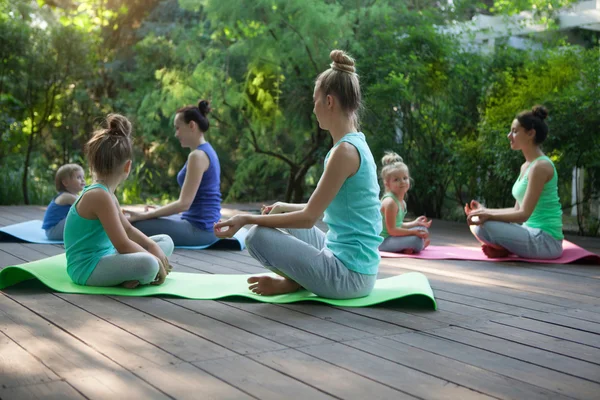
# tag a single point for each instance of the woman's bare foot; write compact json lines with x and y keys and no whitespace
{"x":494,"y":252}
{"x":427,"y":242}
{"x":130,"y":284}
{"x":269,"y":285}
{"x":407,"y":251}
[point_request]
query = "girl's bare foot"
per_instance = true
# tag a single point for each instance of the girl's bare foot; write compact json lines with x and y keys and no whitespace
{"x":407,"y":251}
{"x":130,"y":284}
{"x":269,"y":285}
{"x":494,"y":252}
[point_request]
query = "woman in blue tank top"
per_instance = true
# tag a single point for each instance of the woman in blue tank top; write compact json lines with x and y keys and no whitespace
{"x":189,"y":220}
{"x":344,"y":262}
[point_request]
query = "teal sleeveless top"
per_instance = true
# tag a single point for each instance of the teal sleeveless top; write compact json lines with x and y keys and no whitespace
{"x":86,"y":242}
{"x":354,"y":216}
{"x":547,"y":214}
{"x":399,"y":217}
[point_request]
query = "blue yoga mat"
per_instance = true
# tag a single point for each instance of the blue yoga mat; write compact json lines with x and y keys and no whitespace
{"x":32,"y":232}
{"x":29,"y":231}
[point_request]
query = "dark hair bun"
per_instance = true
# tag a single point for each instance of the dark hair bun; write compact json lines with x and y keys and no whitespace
{"x":204,"y":107}
{"x":118,"y":125}
{"x":540,"y":111}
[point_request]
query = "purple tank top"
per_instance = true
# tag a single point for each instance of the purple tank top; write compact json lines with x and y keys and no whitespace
{"x":205,"y":210}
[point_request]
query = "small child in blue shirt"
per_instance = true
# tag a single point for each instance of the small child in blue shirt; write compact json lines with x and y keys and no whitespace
{"x":69,"y":182}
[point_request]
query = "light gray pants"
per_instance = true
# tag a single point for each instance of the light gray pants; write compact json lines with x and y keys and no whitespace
{"x":301,"y":255}
{"x":518,"y":239}
{"x":180,"y":230}
{"x":56,"y":232}
{"x":117,"y":268}
{"x":396,"y":244}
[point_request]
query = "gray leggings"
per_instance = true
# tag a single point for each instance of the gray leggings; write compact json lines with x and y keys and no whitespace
{"x":56,"y":232}
{"x":117,"y":268}
{"x":518,"y":239}
{"x":396,"y":244}
{"x":180,"y":230}
{"x":301,"y":255}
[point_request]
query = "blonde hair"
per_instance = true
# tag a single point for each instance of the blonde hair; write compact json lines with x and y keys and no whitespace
{"x":391,"y":162}
{"x":66,"y":171}
{"x":342,"y":81}
{"x":110,"y":147}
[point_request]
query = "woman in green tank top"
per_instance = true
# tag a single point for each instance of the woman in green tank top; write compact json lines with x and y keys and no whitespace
{"x":537,"y":205}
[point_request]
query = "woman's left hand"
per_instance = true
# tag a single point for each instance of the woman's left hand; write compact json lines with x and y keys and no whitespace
{"x":422,"y":221}
{"x":228,"y":228}
{"x":477,"y":217}
{"x":134,"y":216}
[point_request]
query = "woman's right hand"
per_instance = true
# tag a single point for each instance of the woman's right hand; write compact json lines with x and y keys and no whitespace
{"x":162,"y":272}
{"x":473,"y":206}
{"x":277,"y":208}
{"x":421,"y":234}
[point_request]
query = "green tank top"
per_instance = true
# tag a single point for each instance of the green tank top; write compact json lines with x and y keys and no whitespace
{"x":86,"y":242}
{"x":399,"y":217}
{"x":547,"y":214}
{"x":353,"y":215}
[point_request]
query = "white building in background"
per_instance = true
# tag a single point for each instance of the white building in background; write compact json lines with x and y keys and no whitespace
{"x":483,"y":31}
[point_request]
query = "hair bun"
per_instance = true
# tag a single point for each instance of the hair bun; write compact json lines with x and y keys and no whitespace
{"x":540,"y":111}
{"x":118,"y":125}
{"x":342,"y":61}
{"x":390,"y":158}
{"x":204,"y":107}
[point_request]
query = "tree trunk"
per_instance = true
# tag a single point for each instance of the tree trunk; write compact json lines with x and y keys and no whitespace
{"x":26,"y":167}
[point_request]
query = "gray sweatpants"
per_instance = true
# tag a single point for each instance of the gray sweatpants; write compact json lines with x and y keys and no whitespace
{"x":396,"y":244}
{"x":301,"y":255}
{"x":117,"y":268}
{"x":56,"y":232}
{"x":518,"y":239}
{"x":180,"y":230}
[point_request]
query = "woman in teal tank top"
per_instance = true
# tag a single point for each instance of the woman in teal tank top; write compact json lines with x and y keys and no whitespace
{"x":537,"y":205}
{"x":344,"y":262}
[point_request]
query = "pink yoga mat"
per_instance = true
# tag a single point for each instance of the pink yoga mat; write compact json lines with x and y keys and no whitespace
{"x":571,"y":253}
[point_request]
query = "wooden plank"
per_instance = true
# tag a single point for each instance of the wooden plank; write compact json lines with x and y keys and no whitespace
{"x":228,"y":336}
{"x":173,"y":340}
{"x":307,"y":323}
{"x":182,"y":257}
{"x":91,"y":373}
{"x":399,"y":316}
{"x":207,"y":259}
{"x":538,"y":340}
{"x":7,"y":259}
{"x":326,"y":377}
{"x":259,"y":381}
{"x":536,"y":356}
{"x":585,"y":315}
{"x":266,"y":328}
{"x":488,"y":277}
{"x":479,"y":379}
{"x":185,"y":381}
{"x":510,"y":367}
{"x":23,"y":252}
{"x":566,"y":321}
{"x":19,"y":368}
{"x":43,"y":391}
{"x":344,"y":318}
{"x":556,"y":331}
{"x":390,"y":373}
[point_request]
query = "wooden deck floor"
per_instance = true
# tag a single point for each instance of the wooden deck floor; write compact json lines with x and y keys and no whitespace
{"x":505,"y":331}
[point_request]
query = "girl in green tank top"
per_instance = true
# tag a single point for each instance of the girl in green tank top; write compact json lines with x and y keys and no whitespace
{"x":102,"y":247}
{"x":399,"y":236}
{"x":537,"y":206}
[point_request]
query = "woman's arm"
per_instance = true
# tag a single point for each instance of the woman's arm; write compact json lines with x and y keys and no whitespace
{"x":540,"y":173}
{"x":198,"y":163}
{"x":343,"y":163}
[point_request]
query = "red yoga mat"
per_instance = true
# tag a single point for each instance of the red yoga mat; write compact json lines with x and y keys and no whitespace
{"x":571,"y":253}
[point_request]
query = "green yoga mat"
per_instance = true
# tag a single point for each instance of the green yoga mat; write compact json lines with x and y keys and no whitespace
{"x":413,"y":287}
